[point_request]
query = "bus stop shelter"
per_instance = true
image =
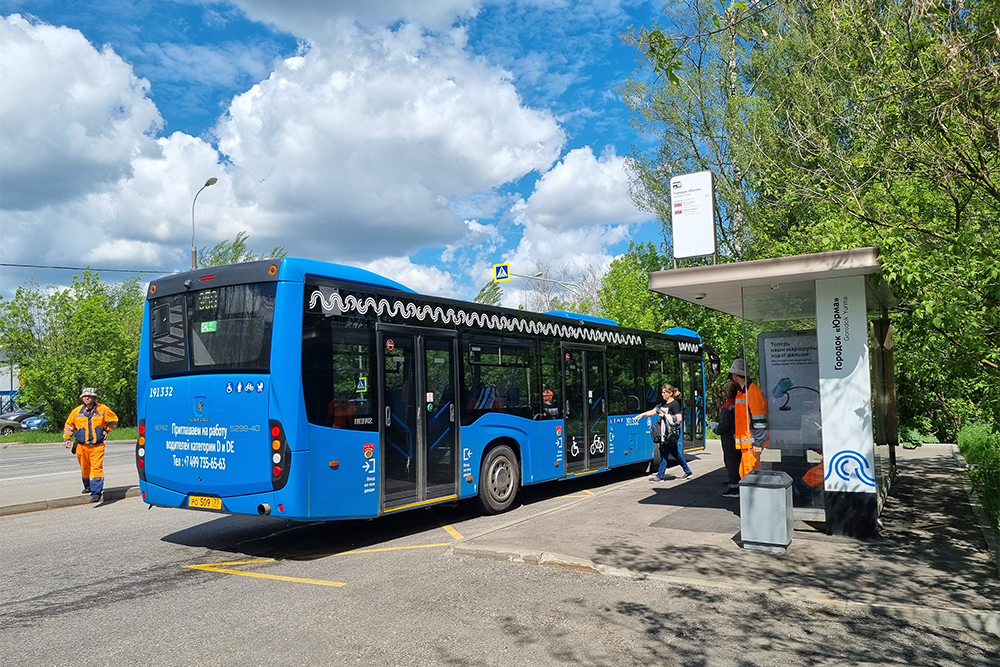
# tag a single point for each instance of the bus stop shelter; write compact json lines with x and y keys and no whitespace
{"x":817,"y":339}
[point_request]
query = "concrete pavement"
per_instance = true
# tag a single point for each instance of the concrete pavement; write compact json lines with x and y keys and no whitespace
{"x":930,"y":563}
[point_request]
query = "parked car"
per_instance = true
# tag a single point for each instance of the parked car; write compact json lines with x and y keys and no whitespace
{"x":33,"y":423}
{"x":18,"y":415}
{"x":9,"y":426}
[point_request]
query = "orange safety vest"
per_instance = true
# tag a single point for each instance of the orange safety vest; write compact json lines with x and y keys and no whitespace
{"x":751,"y":411}
{"x":90,"y":428}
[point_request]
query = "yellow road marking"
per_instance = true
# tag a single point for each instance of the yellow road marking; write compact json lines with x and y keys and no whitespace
{"x":451,"y":531}
{"x":585,"y":492}
{"x":218,"y":567}
{"x":261,"y":575}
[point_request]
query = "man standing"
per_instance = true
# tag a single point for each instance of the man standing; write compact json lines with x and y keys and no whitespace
{"x":751,"y":418}
{"x":88,"y":425}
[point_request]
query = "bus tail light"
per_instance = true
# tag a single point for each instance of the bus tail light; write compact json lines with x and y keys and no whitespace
{"x":281,"y":455}
{"x":140,"y":451}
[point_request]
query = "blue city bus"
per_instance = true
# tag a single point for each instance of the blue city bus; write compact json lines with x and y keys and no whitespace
{"x":314,"y":391}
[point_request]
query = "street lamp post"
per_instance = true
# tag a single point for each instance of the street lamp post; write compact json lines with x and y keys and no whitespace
{"x":194,"y":252}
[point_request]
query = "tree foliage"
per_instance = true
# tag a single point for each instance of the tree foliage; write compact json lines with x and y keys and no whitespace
{"x":491,"y":294}
{"x":834,"y":124}
{"x":625,"y":297}
{"x":235,"y":252}
{"x":64,"y":340}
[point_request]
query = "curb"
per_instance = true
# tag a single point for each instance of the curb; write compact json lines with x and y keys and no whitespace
{"x":989,"y":530}
{"x":979,"y":621}
{"x":110,"y":495}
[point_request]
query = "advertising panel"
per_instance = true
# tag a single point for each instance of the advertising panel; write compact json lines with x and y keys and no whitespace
{"x":790,"y":381}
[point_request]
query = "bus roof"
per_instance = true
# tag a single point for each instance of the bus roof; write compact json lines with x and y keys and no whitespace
{"x":681,"y":331}
{"x":580,"y":316}
{"x":269,"y":270}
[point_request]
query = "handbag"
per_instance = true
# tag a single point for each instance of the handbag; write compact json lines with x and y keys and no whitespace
{"x":73,"y":450}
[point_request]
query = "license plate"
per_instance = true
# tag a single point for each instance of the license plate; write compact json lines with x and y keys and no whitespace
{"x":205,"y":502}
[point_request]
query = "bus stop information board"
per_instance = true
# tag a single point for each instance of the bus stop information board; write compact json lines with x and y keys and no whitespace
{"x":692,"y":205}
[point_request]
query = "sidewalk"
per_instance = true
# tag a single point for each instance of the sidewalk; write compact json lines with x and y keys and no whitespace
{"x":930,"y":564}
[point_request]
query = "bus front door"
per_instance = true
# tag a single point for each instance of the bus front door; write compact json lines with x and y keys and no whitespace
{"x":419,"y":418}
{"x":586,"y":409}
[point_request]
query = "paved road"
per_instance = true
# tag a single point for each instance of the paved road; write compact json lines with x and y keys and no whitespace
{"x":113,"y":584}
{"x":42,"y":472}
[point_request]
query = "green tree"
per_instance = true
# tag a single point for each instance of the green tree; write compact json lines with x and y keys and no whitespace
{"x":625,"y":297}
{"x":491,"y":294}
{"x":235,"y":252}
{"x":857,"y":123}
{"x":66,"y":339}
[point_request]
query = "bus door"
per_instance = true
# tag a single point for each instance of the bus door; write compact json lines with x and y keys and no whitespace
{"x":586,"y":408}
{"x":418,"y":415}
{"x":693,"y":403}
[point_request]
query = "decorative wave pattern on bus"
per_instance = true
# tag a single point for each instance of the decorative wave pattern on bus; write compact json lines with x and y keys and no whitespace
{"x":410,"y":311}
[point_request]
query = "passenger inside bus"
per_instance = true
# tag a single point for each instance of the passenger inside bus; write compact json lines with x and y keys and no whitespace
{"x":339,"y":413}
{"x":550,"y":409}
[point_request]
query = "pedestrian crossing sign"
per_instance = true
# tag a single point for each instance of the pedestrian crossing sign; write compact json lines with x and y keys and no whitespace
{"x":501,"y":272}
{"x":362,"y":385}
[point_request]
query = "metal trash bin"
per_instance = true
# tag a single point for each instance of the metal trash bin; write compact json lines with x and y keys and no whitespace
{"x":766,"y":520}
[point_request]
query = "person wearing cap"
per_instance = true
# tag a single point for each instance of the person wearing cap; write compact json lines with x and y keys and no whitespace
{"x":86,"y":428}
{"x":751,"y":418}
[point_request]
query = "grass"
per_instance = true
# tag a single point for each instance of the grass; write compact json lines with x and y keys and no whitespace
{"x":980,"y":446}
{"x":37,"y":437}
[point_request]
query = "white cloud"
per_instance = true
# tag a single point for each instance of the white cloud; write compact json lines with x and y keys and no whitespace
{"x":316,"y":19}
{"x":353,"y":151}
{"x":73,"y":117}
{"x":363,"y":144}
{"x":422,"y":279}
{"x":582,"y":191}
{"x":577,"y":211}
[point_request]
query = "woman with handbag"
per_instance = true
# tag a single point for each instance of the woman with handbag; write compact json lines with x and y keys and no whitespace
{"x":666,"y":431}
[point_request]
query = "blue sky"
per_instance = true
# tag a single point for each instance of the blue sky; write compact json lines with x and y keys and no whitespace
{"x":425,"y":141}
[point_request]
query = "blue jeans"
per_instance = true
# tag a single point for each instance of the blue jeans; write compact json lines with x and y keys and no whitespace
{"x":666,"y":450}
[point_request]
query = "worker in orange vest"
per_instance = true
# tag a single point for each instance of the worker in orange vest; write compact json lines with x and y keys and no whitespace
{"x":86,"y":428}
{"x":751,"y":418}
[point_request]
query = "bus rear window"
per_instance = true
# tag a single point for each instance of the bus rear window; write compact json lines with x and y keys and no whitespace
{"x":213,"y":329}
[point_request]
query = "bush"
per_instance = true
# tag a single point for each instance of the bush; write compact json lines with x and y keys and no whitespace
{"x":980,"y":446}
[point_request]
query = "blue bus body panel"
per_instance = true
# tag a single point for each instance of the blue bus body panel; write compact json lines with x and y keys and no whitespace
{"x":540,"y":462}
{"x":348,"y":489}
{"x":209,"y":434}
{"x":628,"y":440}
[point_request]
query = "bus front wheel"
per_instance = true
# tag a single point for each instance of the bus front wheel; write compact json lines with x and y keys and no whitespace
{"x":499,"y":480}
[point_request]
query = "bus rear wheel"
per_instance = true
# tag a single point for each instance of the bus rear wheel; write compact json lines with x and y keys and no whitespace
{"x":499,"y":480}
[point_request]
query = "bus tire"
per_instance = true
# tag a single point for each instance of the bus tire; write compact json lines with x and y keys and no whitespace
{"x":499,"y":480}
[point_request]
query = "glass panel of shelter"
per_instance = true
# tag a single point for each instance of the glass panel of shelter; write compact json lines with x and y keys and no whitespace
{"x":781,"y":356}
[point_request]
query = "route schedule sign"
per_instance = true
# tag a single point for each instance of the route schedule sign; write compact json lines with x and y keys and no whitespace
{"x":692,"y":205}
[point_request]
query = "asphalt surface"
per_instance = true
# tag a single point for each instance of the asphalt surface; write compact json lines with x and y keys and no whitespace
{"x":931,"y":563}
